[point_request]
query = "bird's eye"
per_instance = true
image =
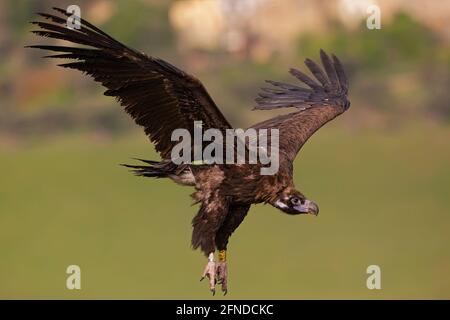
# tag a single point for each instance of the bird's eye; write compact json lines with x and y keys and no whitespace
{"x":296,"y":201}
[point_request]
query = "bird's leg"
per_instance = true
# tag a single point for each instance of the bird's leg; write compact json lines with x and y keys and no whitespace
{"x":221,"y":270}
{"x":210,"y":272}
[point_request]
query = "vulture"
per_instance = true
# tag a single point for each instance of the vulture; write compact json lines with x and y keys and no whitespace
{"x":162,"y":98}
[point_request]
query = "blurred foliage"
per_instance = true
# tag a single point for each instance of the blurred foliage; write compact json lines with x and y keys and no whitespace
{"x":19,"y":14}
{"x":377,"y":59}
{"x":398,"y":73}
{"x":147,"y":25}
{"x":403,"y":41}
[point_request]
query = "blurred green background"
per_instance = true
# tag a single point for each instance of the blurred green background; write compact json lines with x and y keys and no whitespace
{"x":380,"y":173}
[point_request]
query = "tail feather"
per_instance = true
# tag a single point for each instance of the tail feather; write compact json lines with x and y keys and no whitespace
{"x":154,"y":169}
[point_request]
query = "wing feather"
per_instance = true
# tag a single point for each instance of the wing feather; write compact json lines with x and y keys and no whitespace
{"x":318,"y":104}
{"x":157,"y":95}
{"x":330,"y":70}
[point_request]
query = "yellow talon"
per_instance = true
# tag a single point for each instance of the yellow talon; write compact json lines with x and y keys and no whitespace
{"x":222,"y":255}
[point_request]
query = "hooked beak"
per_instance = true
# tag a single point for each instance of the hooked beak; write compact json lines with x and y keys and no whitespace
{"x":308,"y":207}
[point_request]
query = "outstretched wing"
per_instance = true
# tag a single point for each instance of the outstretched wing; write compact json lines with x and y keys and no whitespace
{"x":158,"y":96}
{"x":325,"y":99}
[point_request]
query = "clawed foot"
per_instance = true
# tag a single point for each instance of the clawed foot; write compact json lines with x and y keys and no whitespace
{"x":222,"y":275}
{"x":216,"y":272}
{"x":210,"y":273}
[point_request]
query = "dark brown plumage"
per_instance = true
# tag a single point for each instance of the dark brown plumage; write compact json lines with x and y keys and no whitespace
{"x":162,"y":98}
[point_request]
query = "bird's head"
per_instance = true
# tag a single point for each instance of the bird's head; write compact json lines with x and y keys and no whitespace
{"x":294,"y":202}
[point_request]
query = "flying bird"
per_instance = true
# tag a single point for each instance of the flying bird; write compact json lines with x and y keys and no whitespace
{"x":161,"y":98}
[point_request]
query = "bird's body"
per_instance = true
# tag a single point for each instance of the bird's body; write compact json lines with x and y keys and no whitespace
{"x":162,"y":98}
